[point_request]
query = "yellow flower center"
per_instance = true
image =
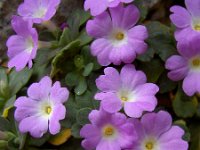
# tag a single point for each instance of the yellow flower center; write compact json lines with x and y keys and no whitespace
{"x":108,"y":131}
{"x":48,"y":110}
{"x":149,"y":146}
{"x":124,"y":99}
{"x":196,"y":62}
{"x":197,"y":27}
{"x":119,"y":36}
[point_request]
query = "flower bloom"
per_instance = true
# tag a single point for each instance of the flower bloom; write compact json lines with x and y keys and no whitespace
{"x":99,"y":6}
{"x":117,"y":39}
{"x":186,"y":66}
{"x":155,"y":132}
{"x":42,"y":109}
{"x":38,"y":10}
{"x":107,"y":131}
{"x":127,"y":89}
{"x":187,"y":20}
{"x":22,"y":48}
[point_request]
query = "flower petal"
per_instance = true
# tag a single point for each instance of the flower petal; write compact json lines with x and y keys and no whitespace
{"x":37,"y":126}
{"x":191,"y":83}
{"x":41,"y":90}
{"x":172,"y":139}
{"x":124,"y":17}
{"x":110,"y":81}
{"x":59,"y":94}
{"x":100,"y":26}
{"x":178,"y":66}
{"x":180,"y":17}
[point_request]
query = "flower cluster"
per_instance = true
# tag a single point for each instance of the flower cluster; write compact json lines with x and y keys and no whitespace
{"x":126,"y":118}
{"x":22,"y":47}
{"x":186,"y":65}
{"x":118,"y":40}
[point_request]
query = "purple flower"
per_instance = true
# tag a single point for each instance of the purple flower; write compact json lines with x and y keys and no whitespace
{"x":99,"y":6}
{"x":42,"y":109}
{"x":186,"y":66}
{"x":107,"y":131}
{"x":22,"y":48}
{"x":127,"y":89}
{"x":38,"y":10}
{"x":187,"y":20}
{"x":117,"y":39}
{"x":155,"y":132}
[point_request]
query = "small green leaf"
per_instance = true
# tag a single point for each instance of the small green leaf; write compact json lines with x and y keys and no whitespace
{"x":18,"y":79}
{"x":79,"y":61}
{"x":72,"y":78}
{"x":76,"y":130}
{"x":84,"y":38}
{"x":66,"y":37}
{"x":147,"y":56}
{"x":68,"y":52}
{"x":72,"y":109}
{"x":85,"y":100}
{"x":81,"y":87}
{"x":82,"y":116}
{"x":152,"y":69}
{"x":4,"y":88}
{"x":88,"y":69}
{"x":161,"y":39}
{"x":165,"y":84}
{"x":183,"y":105}
{"x":4,"y":124}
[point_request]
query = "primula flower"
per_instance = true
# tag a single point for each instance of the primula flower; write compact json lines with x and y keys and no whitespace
{"x":127,"y":89}
{"x":22,"y":48}
{"x":187,"y":20}
{"x":42,"y":109}
{"x":38,"y":10}
{"x":117,"y":39}
{"x":107,"y":131}
{"x":99,"y":6}
{"x":156,"y":132}
{"x":186,"y":66}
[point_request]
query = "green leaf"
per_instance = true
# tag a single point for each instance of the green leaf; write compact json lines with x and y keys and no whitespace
{"x":152,"y":69}
{"x":79,"y":17}
{"x":88,"y":69}
{"x":39,"y":141}
{"x":79,"y":61}
{"x":82,"y":116}
{"x":147,"y":56}
{"x":81,"y":87}
{"x":76,"y":130}
{"x":72,"y":109}
{"x":85,"y":100}
{"x":4,"y":124}
{"x":165,"y":84}
{"x":4,"y":88}
{"x":18,"y":79}
{"x":161,"y":39}
{"x":68,"y":52}
{"x":72,"y":78}
{"x":84,"y":38}
{"x":88,"y":58}
{"x":66,"y":37}
{"x":142,"y":8}
{"x":183,"y":105}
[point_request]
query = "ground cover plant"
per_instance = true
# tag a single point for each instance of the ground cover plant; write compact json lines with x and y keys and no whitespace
{"x":100,"y":74}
